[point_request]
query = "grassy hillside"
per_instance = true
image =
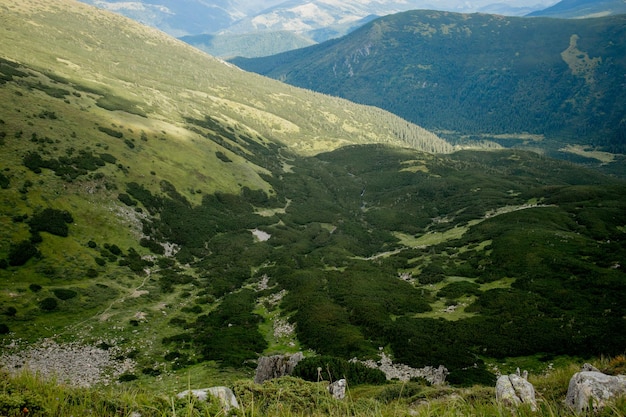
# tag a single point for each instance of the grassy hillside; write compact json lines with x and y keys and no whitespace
{"x":533,"y":82}
{"x":154,"y":75}
{"x":174,"y":218}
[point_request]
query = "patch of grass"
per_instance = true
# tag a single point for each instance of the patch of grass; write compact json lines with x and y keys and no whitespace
{"x":431,"y":238}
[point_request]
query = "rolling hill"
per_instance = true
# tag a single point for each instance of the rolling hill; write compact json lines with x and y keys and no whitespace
{"x":186,"y":217}
{"x":544,"y":83}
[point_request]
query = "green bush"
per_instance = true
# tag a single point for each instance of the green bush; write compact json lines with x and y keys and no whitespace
{"x":457,"y":289}
{"x":64,"y":293}
{"x":52,"y":221}
{"x":111,"y":132}
{"x":48,"y":304}
{"x":22,"y":252}
{"x":4,"y":181}
{"x":125,"y":198}
{"x":468,"y":377}
{"x":329,"y":368}
{"x":127,"y":377}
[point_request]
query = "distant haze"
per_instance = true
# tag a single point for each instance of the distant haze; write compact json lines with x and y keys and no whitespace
{"x":192,"y":17}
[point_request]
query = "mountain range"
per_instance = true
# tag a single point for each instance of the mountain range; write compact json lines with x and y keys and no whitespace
{"x":189,"y":217}
{"x":231,"y":28}
{"x":536,"y":82}
{"x":583,"y":9}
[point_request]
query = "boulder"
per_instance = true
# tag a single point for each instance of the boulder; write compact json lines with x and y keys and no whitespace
{"x":593,"y":388}
{"x":338,"y":389}
{"x":514,"y":390}
{"x":270,"y":367}
{"x":224,"y":394}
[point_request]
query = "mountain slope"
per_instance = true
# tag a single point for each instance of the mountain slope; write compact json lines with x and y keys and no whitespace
{"x":180,"y":214}
{"x":583,"y":9}
{"x":558,"y":80}
{"x":163,"y":70}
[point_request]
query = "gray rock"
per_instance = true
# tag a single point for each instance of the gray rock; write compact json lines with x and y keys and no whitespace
{"x":224,"y":394}
{"x":589,"y":368}
{"x":270,"y":367}
{"x":338,"y":389}
{"x":593,"y":388}
{"x":514,"y":390}
{"x":436,"y":376}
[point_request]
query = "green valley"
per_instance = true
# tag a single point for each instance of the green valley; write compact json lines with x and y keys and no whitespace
{"x":184,"y":218}
{"x":478,"y":79}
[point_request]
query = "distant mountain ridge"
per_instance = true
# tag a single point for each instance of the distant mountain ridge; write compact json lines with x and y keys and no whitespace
{"x":188,"y":17}
{"x":313,"y":20}
{"x":583,"y":9}
{"x":477,"y":74}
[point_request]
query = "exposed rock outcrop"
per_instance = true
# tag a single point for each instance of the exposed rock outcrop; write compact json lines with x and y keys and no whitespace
{"x":338,"y":389}
{"x":224,"y":394}
{"x":270,"y":367}
{"x":514,"y":390}
{"x":593,"y":388}
{"x":71,"y":363}
{"x":436,"y":376}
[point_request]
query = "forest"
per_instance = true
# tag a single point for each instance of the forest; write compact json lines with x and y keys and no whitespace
{"x":478,"y":76}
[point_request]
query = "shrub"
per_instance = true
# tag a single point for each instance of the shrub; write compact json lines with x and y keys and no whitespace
{"x":4,"y":181}
{"x":151,"y":372}
{"x":48,"y":304}
{"x":4,"y":329}
{"x":125,"y":198}
{"x":331,"y":368}
{"x":22,"y":252}
{"x":127,"y":377}
{"x":52,"y":221}
{"x":33,"y":161}
{"x":106,"y":157}
{"x":10,"y":311}
{"x":64,"y":294}
{"x":114,"y":249}
{"x":111,"y":132}
{"x":35,"y":287}
{"x":222,"y":156}
{"x":154,"y":246}
{"x":471,"y":376}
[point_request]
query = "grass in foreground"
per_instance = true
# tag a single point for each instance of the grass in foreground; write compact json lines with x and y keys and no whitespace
{"x":26,"y":394}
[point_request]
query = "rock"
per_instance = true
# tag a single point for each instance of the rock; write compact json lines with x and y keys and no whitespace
{"x":338,"y":389}
{"x":589,"y":368}
{"x":514,"y":390}
{"x":224,"y":394}
{"x":436,"y":376}
{"x":270,"y":367}
{"x":593,"y":388}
